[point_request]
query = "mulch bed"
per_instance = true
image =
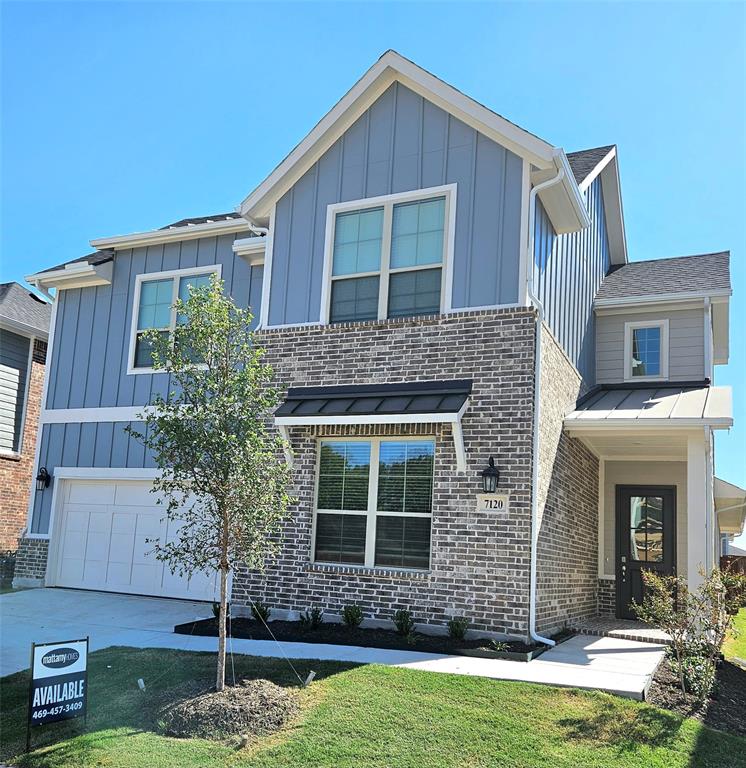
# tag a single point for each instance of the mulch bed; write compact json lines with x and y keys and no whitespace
{"x":251,"y":708}
{"x":726,"y":708}
{"x":340,"y":634}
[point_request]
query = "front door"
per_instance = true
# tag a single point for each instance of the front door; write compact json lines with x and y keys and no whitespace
{"x":645,"y":539}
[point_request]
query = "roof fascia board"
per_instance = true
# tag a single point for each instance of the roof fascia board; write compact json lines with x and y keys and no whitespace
{"x":85,"y":276}
{"x":611,"y":189}
{"x":579,"y":425}
{"x":562,"y":202}
{"x":22,"y":329}
{"x":389,"y":68}
{"x":627,"y":301}
{"x":251,"y":248}
{"x":158,"y":236}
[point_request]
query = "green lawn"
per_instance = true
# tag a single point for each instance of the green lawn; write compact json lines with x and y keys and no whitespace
{"x":366,"y":716}
{"x":736,"y":646}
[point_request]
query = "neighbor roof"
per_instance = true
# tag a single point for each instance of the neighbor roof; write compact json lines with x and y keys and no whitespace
{"x":706,"y":273}
{"x":585,"y":160}
{"x":20,"y":307}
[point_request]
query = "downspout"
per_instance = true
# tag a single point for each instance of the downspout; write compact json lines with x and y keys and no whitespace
{"x":534,"y":299}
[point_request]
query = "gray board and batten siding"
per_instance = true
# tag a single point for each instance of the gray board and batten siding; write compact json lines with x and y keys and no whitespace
{"x":91,"y":348}
{"x":14,"y":360}
{"x":402,"y":143}
{"x":568,"y":270}
{"x":92,"y":334}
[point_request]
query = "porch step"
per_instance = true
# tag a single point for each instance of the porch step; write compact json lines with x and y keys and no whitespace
{"x":622,"y":629}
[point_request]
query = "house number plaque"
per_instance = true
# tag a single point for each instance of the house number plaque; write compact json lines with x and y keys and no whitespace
{"x":493,"y":502}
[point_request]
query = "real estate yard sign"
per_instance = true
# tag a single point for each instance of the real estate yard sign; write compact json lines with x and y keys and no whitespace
{"x":59,"y":682}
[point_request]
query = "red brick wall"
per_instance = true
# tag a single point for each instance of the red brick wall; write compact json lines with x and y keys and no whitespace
{"x":15,"y":473}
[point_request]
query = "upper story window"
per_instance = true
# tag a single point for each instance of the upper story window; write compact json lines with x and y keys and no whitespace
{"x":374,"y":502}
{"x":155,"y":297}
{"x":646,"y":350}
{"x":387,"y":257}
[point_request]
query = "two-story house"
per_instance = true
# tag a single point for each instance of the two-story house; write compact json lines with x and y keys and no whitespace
{"x":441,"y":291}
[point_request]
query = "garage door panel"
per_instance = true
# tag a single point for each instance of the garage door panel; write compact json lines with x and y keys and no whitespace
{"x":76,"y":520}
{"x":135,"y":495}
{"x":106,"y":542}
{"x":82,"y":492}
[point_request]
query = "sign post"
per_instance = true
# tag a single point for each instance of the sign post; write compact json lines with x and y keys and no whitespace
{"x":59,"y":683}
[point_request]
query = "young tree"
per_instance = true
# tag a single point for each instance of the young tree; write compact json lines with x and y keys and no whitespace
{"x":223,"y":478}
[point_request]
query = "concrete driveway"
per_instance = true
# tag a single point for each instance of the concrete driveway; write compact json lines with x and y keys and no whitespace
{"x":623,"y":667}
{"x":41,"y":615}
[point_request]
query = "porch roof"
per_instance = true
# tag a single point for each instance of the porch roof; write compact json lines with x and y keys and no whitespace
{"x":661,"y":406}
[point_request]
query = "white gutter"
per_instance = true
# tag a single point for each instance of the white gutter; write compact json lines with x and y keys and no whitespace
{"x":534,"y":299}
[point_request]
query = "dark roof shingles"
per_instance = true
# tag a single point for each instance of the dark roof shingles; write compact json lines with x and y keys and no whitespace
{"x":585,"y":160}
{"x":681,"y":274}
{"x":19,"y":304}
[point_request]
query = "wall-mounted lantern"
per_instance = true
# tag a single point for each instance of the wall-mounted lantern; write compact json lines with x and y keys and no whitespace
{"x":43,"y":479}
{"x":490,"y":477}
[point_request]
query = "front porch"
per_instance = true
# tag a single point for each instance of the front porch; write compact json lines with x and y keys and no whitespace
{"x":621,"y":629}
{"x":656,"y":501}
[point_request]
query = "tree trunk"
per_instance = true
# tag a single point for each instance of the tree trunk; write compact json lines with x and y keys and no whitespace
{"x":220,"y":681}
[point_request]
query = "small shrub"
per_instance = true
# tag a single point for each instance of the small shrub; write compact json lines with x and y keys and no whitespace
{"x":735,"y":587}
{"x":457,"y":627}
{"x":312,"y":618}
{"x":404,"y":622}
{"x":698,"y":673}
{"x":352,"y":615}
{"x":260,"y":611}
{"x":500,"y":646}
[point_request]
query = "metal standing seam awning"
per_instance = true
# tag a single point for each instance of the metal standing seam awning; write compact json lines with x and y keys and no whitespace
{"x":424,"y":402}
{"x":651,"y":406}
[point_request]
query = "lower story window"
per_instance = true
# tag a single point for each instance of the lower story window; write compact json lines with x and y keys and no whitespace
{"x":374,"y":502}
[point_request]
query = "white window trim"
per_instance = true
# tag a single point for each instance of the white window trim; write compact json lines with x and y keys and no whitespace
{"x":629,"y":327}
{"x":388,"y":202}
{"x":371,"y":513}
{"x":175,"y":274}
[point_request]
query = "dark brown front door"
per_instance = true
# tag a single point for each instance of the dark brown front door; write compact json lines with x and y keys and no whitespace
{"x":645,"y":539}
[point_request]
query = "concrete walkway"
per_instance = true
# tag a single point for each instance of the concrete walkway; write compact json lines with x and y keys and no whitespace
{"x":623,"y":667}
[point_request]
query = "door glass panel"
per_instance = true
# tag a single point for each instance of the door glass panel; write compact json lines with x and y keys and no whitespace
{"x":646,"y":528}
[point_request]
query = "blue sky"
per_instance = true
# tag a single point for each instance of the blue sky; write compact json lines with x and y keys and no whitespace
{"x":120,"y":117}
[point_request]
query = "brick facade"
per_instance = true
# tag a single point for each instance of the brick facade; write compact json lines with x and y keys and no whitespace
{"x":31,"y":562}
{"x":479,"y":562}
{"x":16,"y":472}
{"x":567,"y":581}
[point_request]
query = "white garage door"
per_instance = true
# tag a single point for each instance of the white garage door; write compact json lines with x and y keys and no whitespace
{"x":103,"y":542}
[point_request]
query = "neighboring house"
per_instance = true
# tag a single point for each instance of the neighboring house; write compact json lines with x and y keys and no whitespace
{"x":437,"y":287}
{"x":24,"y":326}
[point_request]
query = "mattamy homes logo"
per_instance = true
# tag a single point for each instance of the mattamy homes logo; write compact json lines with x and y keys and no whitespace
{"x":60,"y":658}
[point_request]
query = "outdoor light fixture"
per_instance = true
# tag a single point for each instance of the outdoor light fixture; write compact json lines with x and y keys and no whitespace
{"x":43,"y":479}
{"x":490,"y":477}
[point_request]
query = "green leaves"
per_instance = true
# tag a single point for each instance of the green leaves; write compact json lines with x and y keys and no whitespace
{"x":223,"y":475}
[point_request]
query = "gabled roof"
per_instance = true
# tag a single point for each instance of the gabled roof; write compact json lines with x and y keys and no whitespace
{"x":585,"y":161}
{"x":23,"y":312}
{"x":393,"y":67}
{"x":708,"y":273}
